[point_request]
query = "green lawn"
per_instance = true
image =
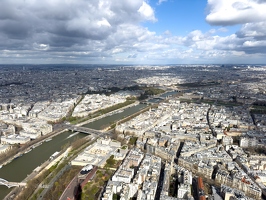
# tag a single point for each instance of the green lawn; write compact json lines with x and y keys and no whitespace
{"x":92,"y":189}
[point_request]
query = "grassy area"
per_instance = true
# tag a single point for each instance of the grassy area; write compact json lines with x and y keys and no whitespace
{"x":188,"y":100}
{"x":111,"y":90}
{"x":115,"y":107}
{"x":32,"y":186}
{"x":149,"y":91}
{"x":172,"y":187}
{"x":36,"y":195}
{"x":198,"y":84}
{"x":116,"y":197}
{"x":132,"y":140}
{"x":111,"y":163}
{"x":211,"y":102}
{"x":53,"y":171}
{"x":75,"y":120}
{"x":77,"y":146}
{"x":59,"y":186}
{"x":152,"y":90}
{"x":256,"y":109}
{"x":228,"y":104}
{"x":113,"y":126}
{"x":45,"y":177}
{"x":92,"y":189}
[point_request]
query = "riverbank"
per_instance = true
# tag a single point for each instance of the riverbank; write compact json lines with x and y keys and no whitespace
{"x":22,"y":150}
{"x":36,"y":162}
{"x":108,"y":115}
{"x":51,"y":166}
{"x":34,"y":143}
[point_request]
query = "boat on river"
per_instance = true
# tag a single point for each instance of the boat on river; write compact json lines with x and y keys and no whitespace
{"x":28,"y":151}
{"x":18,"y":156}
{"x":49,"y":139}
{"x":36,"y":145}
{"x":72,"y":135}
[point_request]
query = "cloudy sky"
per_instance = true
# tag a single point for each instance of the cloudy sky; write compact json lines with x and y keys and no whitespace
{"x":132,"y":31}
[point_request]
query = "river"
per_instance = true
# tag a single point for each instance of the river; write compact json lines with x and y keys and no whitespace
{"x":106,"y":121}
{"x":18,"y":169}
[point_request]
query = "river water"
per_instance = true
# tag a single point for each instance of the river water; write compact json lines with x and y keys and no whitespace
{"x":106,"y":121}
{"x":18,"y":169}
{"x":164,"y":95}
{"x":171,"y":93}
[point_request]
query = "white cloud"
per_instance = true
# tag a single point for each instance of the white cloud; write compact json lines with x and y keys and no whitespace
{"x":238,"y":53}
{"x":147,"y":12}
{"x":103,"y":22}
{"x":94,"y":19}
{"x":161,"y":1}
{"x":117,"y":50}
{"x":42,"y":47}
{"x":167,"y":32}
{"x":223,"y":29}
{"x":212,"y":31}
{"x":225,"y":12}
{"x":254,"y":44}
{"x":256,"y":30}
{"x":109,"y":30}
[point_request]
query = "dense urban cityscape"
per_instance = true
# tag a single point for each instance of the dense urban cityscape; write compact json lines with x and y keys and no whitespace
{"x":174,"y":132}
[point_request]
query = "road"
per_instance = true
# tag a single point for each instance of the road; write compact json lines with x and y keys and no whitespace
{"x":74,"y":188}
{"x":71,"y":190}
{"x":51,"y":183}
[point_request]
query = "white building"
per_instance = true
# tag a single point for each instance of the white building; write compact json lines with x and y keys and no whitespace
{"x":248,"y":142}
{"x":183,"y":191}
{"x":4,"y":148}
{"x":32,"y":136}
{"x":227,"y":140}
{"x":14,"y":139}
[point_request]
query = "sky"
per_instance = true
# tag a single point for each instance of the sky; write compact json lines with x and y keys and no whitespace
{"x":133,"y":32}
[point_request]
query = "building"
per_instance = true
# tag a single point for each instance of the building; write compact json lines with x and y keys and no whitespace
{"x":14,"y":139}
{"x":4,"y":148}
{"x":227,"y":140}
{"x":248,"y":142}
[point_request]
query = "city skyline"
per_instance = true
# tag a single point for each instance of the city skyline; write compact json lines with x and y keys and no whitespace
{"x":132,"y":32}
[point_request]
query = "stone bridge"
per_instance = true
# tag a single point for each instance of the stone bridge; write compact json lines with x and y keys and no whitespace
{"x":82,"y":129}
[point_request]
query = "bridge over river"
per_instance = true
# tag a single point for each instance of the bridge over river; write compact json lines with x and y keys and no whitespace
{"x":11,"y":184}
{"x":82,"y":129}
